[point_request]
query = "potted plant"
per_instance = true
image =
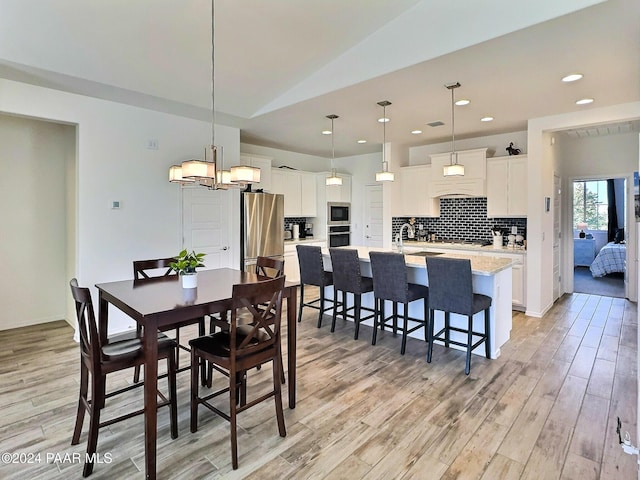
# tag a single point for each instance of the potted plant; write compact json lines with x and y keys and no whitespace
{"x":185,"y":265}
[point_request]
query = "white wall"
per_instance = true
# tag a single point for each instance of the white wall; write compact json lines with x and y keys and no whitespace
{"x":113,"y":163}
{"x":33,"y":159}
{"x":301,"y":161}
{"x":495,"y":144}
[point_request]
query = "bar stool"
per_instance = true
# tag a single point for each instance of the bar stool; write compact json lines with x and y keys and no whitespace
{"x":312,"y":273}
{"x":348,"y":279}
{"x":390,"y":283}
{"x":451,"y":290}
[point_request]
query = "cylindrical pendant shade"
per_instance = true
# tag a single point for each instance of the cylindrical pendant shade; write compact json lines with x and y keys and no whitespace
{"x":333,"y":179}
{"x":453,"y":170}
{"x":385,"y":176}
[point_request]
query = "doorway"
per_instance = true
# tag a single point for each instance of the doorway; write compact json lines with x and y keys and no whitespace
{"x":599,"y":220}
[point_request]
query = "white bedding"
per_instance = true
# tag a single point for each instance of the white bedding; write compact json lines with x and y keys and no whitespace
{"x":610,"y":259}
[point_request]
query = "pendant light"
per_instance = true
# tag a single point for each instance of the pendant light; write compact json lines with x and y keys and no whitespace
{"x":205,"y":172}
{"x":385,"y":175}
{"x":454,"y":168}
{"x":333,"y":179}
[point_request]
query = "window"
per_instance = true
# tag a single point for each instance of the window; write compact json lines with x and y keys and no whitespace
{"x":590,"y":204}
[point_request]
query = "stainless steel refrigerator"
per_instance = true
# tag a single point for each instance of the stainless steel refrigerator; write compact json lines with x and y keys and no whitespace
{"x":262,"y":227}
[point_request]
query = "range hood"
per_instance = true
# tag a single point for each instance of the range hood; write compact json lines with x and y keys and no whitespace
{"x":460,"y":188}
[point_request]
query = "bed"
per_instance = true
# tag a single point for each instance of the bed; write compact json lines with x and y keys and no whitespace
{"x":610,"y":259}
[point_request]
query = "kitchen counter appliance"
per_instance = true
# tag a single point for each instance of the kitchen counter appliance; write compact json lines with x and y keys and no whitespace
{"x":262,"y":218}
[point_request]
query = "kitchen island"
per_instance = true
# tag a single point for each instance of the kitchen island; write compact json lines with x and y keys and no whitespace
{"x":491,"y":277}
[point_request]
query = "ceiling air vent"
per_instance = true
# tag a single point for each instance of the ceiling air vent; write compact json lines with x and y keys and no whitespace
{"x":437,"y":123}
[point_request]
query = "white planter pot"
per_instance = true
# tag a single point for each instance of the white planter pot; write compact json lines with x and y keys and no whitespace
{"x":189,"y":280}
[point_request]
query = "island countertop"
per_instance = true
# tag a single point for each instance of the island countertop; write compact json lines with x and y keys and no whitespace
{"x":480,"y":265}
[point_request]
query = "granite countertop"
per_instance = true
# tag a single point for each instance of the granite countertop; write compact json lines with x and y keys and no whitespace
{"x":462,"y":246}
{"x":480,"y":265}
{"x":303,"y":240}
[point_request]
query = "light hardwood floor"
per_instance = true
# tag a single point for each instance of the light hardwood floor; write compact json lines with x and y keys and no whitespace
{"x":545,"y":409}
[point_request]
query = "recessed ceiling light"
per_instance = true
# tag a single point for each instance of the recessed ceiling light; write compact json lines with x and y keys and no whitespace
{"x":383,"y":120}
{"x":326,"y":132}
{"x":486,"y":119}
{"x":572,"y":78}
{"x":462,"y":102}
{"x":584,"y":101}
{"x":362,"y":141}
{"x":416,"y":132}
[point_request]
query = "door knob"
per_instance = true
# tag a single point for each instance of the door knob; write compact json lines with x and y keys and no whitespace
{"x":224,"y":248}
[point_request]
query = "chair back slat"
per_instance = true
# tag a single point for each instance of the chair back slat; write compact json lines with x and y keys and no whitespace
{"x":311,"y":265}
{"x":269,"y":267}
{"x":90,"y":346}
{"x":450,"y":285}
{"x":263,"y":331}
{"x":389,"y":272}
{"x":148,"y":269}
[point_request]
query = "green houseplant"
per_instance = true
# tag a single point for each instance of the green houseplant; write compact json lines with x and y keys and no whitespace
{"x":185,"y":265}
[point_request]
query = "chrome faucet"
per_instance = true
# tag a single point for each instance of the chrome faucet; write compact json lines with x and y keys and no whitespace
{"x":410,"y":228}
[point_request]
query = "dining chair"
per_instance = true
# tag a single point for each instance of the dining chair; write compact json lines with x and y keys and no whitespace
{"x":243,"y":347}
{"x":312,"y":272}
{"x":97,"y":360}
{"x":347,"y":278}
{"x":390,"y":283}
{"x":153,"y":270}
{"x":451,"y":291}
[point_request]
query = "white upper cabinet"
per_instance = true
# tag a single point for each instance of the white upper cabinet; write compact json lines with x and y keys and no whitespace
{"x":264,"y":164}
{"x":299,"y":190}
{"x":416,"y":198}
{"x":471,"y":184}
{"x":507,"y":186}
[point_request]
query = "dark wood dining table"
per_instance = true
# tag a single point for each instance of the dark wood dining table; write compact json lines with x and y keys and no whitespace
{"x":163,"y":303}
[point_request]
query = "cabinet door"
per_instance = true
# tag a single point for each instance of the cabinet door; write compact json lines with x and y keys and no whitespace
{"x":474,"y":162}
{"x":416,"y":200}
{"x":291,"y":268}
{"x":264,"y":164}
{"x":517,"y":289}
{"x":517,"y":186}
{"x":497,"y":188}
{"x":307,"y":199}
{"x":339,"y":193}
{"x":288,"y":184}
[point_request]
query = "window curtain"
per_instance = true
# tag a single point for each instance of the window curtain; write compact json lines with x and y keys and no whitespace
{"x":612,"y":210}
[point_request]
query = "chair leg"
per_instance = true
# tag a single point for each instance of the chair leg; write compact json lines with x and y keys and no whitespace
{"x":301,"y":303}
{"x":382,"y":314}
{"x":357,"y":299}
{"x":426,"y":320}
{"x":487,"y":332}
{"x":376,"y":312}
{"x":406,"y":327}
{"x":321,"y":312}
{"x":335,"y":310}
{"x":178,"y":348}
{"x":173,"y":395}
{"x":277,"y":397}
{"x":82,"y":397}
{"x":430,"y":339}
{"x":195,"y":366}
{"x":204,"y":380}
{"x":395,"y":318}
{"x":136,"y":369}
{"x":467,"y":367}
{"x":97,"y":401}
{"x":446,"y":329}
{"x":233,"y":419}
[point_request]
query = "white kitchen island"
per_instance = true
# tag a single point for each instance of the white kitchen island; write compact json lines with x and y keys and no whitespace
{"x":491,"y":277}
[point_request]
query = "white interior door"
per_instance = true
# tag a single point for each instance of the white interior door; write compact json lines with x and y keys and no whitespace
{"x":373,"y":232}
{"x":205,"y":225}
{"x":557,"y":234}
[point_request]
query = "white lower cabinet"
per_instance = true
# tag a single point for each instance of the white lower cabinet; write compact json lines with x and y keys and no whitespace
{"x":291,"y":266}
{"x":518,"y":277}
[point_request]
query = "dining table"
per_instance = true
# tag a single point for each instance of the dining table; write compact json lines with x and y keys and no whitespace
{"x":163,"y":303}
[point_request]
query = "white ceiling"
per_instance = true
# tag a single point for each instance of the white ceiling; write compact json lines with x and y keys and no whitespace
{"x":283,"y":65}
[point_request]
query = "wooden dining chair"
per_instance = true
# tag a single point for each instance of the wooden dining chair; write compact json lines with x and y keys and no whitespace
{"x":97,"y":360}
{"x":243,"y":347}
{"x":153,"y":270}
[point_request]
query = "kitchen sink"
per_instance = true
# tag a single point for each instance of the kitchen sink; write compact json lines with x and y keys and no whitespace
{"x":423,"y":254}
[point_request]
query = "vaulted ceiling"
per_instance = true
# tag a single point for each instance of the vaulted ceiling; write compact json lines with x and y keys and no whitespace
{"x":281,"y":66}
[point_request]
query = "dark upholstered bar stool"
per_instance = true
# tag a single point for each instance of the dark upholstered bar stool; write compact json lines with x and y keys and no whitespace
{"x":451,"y":291}
{"x":348,"y":279}
{"x":312,"y":273}
{"x":390,"y":283}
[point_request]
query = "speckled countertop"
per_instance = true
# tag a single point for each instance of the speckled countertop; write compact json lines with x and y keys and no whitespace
{"x":480,"y":265}
{"x":304,"y":240}
{"x":462,"y":246}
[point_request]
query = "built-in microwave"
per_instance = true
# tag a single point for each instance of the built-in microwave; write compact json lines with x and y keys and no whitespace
{"x":338,"y":213}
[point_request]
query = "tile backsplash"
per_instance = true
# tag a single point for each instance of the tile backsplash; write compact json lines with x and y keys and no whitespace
{"x":464,"y":219}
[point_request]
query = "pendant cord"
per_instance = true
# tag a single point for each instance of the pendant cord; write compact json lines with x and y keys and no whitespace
{"x":333,"y":150}
{"x":453,"y":128}
{"x":213,"y":77}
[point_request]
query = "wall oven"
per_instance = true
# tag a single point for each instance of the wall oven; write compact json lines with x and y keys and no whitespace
{"x":338,"y":213}
{"x":339,"y":235}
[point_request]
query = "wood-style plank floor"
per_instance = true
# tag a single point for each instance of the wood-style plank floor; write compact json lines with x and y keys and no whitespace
{"x":545,"y":409}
